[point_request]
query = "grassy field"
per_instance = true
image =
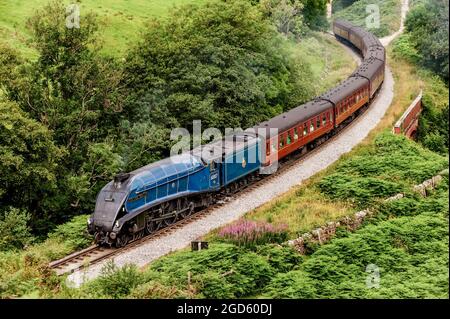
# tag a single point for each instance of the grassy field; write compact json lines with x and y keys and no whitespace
{"x":329,"y":62}
{"x":122,"y":20}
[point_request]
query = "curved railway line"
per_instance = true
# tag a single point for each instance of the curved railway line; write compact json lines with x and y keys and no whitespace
{"x":95,"y":253}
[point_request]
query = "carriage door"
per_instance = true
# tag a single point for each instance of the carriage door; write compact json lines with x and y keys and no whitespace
{"x":214,"y":175}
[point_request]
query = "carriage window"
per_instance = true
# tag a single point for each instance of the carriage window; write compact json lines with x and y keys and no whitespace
{"x":324,"y":120}
{"x":295,"y":134}
{"x":311,"y":127}
{"x":331,"y":116}
{"x":318,"y":122}
{"x":274,"y":147}
{"x":305,"y":129}
{"x":281,"y":141}
{"x":288,"y":139}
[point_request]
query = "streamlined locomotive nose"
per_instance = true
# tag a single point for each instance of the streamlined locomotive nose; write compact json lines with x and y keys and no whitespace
{"x":109,"y":206}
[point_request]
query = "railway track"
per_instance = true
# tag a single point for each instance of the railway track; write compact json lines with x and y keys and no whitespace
{"x":95,"y":254}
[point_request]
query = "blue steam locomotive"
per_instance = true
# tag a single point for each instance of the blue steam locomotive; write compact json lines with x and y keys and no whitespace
{"x":156,"y":195}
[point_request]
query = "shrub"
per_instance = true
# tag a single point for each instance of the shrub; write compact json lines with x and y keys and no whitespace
{"x":411,"y":253}
{"x":115,"y":282}
{"x":250,"y":233}
{"x":14,"y":230}
{"x":157,"y":290}
{"x":281,"y":258}
{"x":73,"y":233}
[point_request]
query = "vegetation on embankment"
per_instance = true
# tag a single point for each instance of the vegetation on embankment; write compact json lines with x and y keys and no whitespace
{"x":356,"y":13}
{"x":406,"y":239}
{"x":424,"y":46}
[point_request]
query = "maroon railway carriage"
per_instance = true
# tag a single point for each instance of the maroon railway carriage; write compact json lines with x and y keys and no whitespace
{"x":356,"y":36}
{"x":312,"y":122}
{"x":341,"y":28}
{"x":296,"y":128}
{"x":373,"y":70}
{"x":377,"y":53}
{"x":348,"y":97}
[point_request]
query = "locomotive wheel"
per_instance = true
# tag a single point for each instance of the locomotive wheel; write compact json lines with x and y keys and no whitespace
{"x":122,"y":240}
{"x":186,"y":207}
{"x":150,"y":227}
{"x":168,"y":207}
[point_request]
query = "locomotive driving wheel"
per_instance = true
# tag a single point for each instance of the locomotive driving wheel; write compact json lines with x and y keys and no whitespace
{"x":151,"y":226}
{"x":122,"y":240}
{"x":168,"y":208}
{"x":186,"y":208}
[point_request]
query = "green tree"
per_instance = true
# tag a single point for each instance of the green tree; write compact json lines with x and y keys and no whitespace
{"x":221,"y":63}
{"x":428,"y":27}
{"x":29,"y":159}
{"x":285,"y":14}
{"x":73,"y":91}
{"x":14,"y":229}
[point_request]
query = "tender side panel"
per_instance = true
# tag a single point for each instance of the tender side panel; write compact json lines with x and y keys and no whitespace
{"x":241,"y":163}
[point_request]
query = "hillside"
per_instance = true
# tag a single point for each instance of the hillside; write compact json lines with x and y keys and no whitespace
{"x":122,"y":21}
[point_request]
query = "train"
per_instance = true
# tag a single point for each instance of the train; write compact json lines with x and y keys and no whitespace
{"x":140,"y":202}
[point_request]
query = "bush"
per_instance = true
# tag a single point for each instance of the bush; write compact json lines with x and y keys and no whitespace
{"x":14,"y":230}
{"x":222,"y":271}
{"x":410,"y":252}
{"x":157,"y":290}
{"x":392,"y":165}
{"x":115,"y":282}
{"x":281,"y":258}
{"x":73,"y":233}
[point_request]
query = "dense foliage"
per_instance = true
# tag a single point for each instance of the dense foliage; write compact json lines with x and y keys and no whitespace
{"x":71,"y":97}
{"x":425,"y":44}
{"x":427,"y":27}
{"x":221,"y":63}
{"x":72,"y":118}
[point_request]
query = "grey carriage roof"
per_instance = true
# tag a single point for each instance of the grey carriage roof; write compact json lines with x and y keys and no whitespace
{"x":376,"y":52}
{"x":225,"y":146}
{"x":371,"y":40}
{"x":343,"y":24}
{"x":296,"y":115}
{"x":358,"y":31}
{"x":368,"y":68}
{"x":346,"y":88}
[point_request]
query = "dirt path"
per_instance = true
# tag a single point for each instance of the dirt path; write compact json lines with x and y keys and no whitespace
{"x":404,"y":10}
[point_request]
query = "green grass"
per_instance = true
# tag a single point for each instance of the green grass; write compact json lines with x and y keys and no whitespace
{"x":389,"y":15}
{"x":122,"y":20}
{"x":329,"y":62}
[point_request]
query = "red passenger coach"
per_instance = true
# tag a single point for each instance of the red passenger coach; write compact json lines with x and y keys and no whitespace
{"x":297,"y":128}
{"x":348,"y":97}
